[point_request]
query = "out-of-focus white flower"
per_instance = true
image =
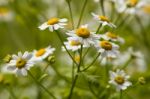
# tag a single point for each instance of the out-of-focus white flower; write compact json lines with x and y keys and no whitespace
{"x":42,"y":54}
{"x":136,"y":58}
{"x":84,"y":35}
{"x":53,"y":24}
{"x":73,"y":44}
{"x":113,"y":37}
{"x":129,"y":6}
{"x":119,"y":79}
{"x":103,"y":20}
{"x":20,"y":63}
{"x":107,"y":49}
{"x":5,"y":14}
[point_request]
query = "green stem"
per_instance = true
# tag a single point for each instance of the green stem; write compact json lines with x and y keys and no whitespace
{"x":102,"y":6}
{"x":82,"y":11}
{"x":71,"y":15}
{"x":143,"y":33}
{"x":91,"y":63}
{"x":98,"y":28}
{"x":127,"y":63}
{"x":65,"y":47}
{"x":120,"y":94}
{"x":38,"y":83}
{"x":11,"y":92}
{"x":76,"y":77}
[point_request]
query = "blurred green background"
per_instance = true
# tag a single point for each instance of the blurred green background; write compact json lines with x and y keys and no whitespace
{"x":19,"y":21}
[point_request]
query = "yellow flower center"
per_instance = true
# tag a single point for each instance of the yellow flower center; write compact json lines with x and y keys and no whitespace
{"x":132,"y":3}
{"x":74,"y":43}
{"x":20,"y":63}
{"x":104,"y":18}
{"x":146,"y":9}
{"x":111,"y":35}
{"x":3,"y":11}
{"x":83,"y":32}
{"x":106,"y":45}
{"x":77,"y":58}
{"x":53,"y":21}
{"x":119,"y":79}
{"x":40,"y":52}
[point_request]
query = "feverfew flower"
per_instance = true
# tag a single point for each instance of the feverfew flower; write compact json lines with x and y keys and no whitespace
{"x":42,"y":54}
{"x":107,"y":49}
{"x":130,"y":6}
{"x":84,"y":35}
{"x":53,"y":24}
{"x":119,"y":79}
{"x":6,"y":14}
{"x":20,"y":63}
{"x":112,"y":37}
{"x":73,"y":44}
{"x":103,"y":20}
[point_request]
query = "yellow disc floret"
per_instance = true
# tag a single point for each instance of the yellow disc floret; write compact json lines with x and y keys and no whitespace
{"x":83,"y":32}
{"x":119,"y":80}
{"x":146,"y":9}
{"x":3,"y":11}
{"x":74,"y":43}
{"x":104,"y":18}
{"x":20,"y":63}
{"x":40,"y":52}
{"x":132,"y":3}
{"x":106,"y":45}
{"x":111,"y":35}
{"x":52,"y":21}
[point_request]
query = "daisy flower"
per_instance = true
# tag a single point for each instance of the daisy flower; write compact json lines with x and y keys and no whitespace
{"x":119,"y":79}
{"x":43,"y":53}
{"x":84,"y":35}
{"x":130,"y":6}
{"x":73,"y":44}
{"x":103,"y":20}
{"x":112,"y":37}
{"x":20,"y":63}
{"x":107,"y":48}
{"x":6,"y":14}
{"x":53,"y":24}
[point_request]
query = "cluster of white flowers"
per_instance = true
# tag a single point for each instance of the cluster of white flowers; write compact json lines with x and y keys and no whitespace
{"x":21,"y":63}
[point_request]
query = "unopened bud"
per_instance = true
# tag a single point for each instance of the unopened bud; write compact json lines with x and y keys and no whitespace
{"x":141,"y":80}
{"x":51,"y":59}
{"x":7,"y":58}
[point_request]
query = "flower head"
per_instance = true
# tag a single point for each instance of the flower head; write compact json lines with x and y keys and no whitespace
{"x":20,"y":63}
{"x":107,"y":48}
{"x":84,"y":35}
{"x":73,"y":44}
{"x":43,"y":53}
{"x":119,"y":79}
{"x":103,"y":20}
{"x":53,"y":24}
{"x":112,"y":37}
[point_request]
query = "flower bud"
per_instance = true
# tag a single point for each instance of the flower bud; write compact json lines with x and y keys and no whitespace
{"x":141,"y":80}
{"x":51,"y":59}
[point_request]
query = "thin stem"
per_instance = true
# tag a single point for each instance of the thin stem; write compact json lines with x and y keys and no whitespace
{"x":91,"y":63}
{"x":102,"y":6}
{"x":98,"y":28}
{"x":11,"y":92}
{"x":82,"y":11}
{"x":143,"y":33}
{"x":120,"y":94}
{"x":65,"y":47}
{"x":127,"y":63}
{"x":71,"y":15}
{"x":76,"y":77}
{"x":38,"y":83}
